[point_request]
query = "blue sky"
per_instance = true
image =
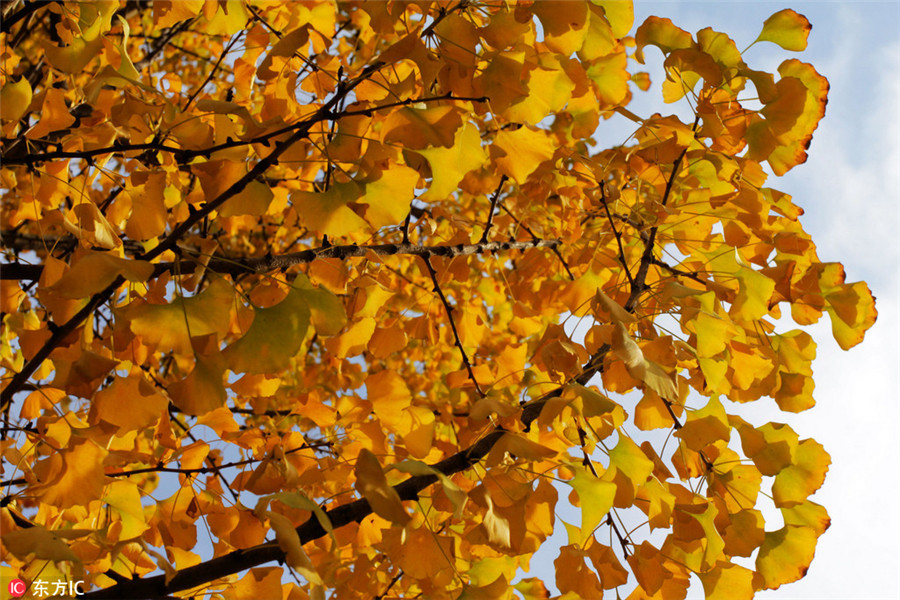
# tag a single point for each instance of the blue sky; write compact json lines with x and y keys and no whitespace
{"x":850,"y":189}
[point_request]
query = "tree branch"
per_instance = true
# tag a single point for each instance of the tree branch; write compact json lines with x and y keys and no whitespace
{"x":339,"y":516}
{"x":8,"y":21}
{"x":616,"y":233}
{"x":264,"y":264}
{"x":490,"y":218}
{"x":449,"y":309}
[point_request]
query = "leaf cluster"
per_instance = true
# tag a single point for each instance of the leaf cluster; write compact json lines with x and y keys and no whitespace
{"x":299,"y":282}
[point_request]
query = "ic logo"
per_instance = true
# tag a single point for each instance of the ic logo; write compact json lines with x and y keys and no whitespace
{"x":17,"y":588}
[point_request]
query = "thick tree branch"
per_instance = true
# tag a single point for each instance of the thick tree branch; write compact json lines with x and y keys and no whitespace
{"x":239,"y":560}
{"x":8,"y":21}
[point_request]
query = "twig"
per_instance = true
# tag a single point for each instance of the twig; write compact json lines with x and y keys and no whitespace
{"x":678,"y":272}
{"x":8,"y":22}
{"x":442,"y":14}
{"x":490,"y":217}
{"x":624,"y":543}
{"x":212,"y":71}
{"x":390,"y":584}
{"x":638,"y":284}
{"x":162,"y":41}
{"x":159,"y":468}
{"x":616,"y":233}
{"x":449,"y":309}
{"x":535,"y":237}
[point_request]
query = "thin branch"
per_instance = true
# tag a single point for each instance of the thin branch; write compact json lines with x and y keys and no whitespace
{"x":638,"y":284}
{"x":159,"y":468}
{"x":616,"y":233}
{"x":678,"y":272}
{"x":443,"y":14}
{"x":624,"y":543}
{"x":162,"y":41}
{"x":390,"y":584}
{"x":212,"y":72}
{"x":535,"y":237}
{"x":490,"y":218}
{"x":368,"y":112}
{"x":449,"y":309}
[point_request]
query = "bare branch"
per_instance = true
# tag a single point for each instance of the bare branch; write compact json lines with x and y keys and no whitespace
{"x":490,"y":219}
{"x":449,"y":309}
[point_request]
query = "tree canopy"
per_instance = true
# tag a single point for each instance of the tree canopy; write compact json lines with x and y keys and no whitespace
{"x":312,"y":299}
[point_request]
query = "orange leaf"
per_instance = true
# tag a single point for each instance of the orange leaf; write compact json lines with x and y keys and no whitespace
{"x":132,"y":404}
{"x":80,"y":478}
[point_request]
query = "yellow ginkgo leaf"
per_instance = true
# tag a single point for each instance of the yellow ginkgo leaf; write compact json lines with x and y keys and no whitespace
{"x":785,"y":555}
{"x":573,"y":577}
{"x":274,"y":337}
{"x":521,"y":151}
{"x":289,"y":541}
{"x":787,"y":28}
{"x":705,"y":426}
{"x":81,"y":477}
{"x":728,"y":581}
{"x":426,"y":127}
{"x":171,"y":326}
{"x":54,"y":115}
{"x":203,"y":390}
{"x":387,"y":198}
{"x":14,"y":100}
{"x":595,"y":497}
{"x":94,"y":271}
{"x":795,"y":483}
{"x":131,"y":404}
{"x":389,"y":396}
{"x":372,"y":484}
{"x":39,"y":543}
{"x":328,"y":213}
{"x":663,"y":34}
{"x":86,"y":222}
{"x":450,"y":165}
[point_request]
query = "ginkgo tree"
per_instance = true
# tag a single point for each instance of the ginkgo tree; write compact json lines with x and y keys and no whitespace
{"x":289,"y":292}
